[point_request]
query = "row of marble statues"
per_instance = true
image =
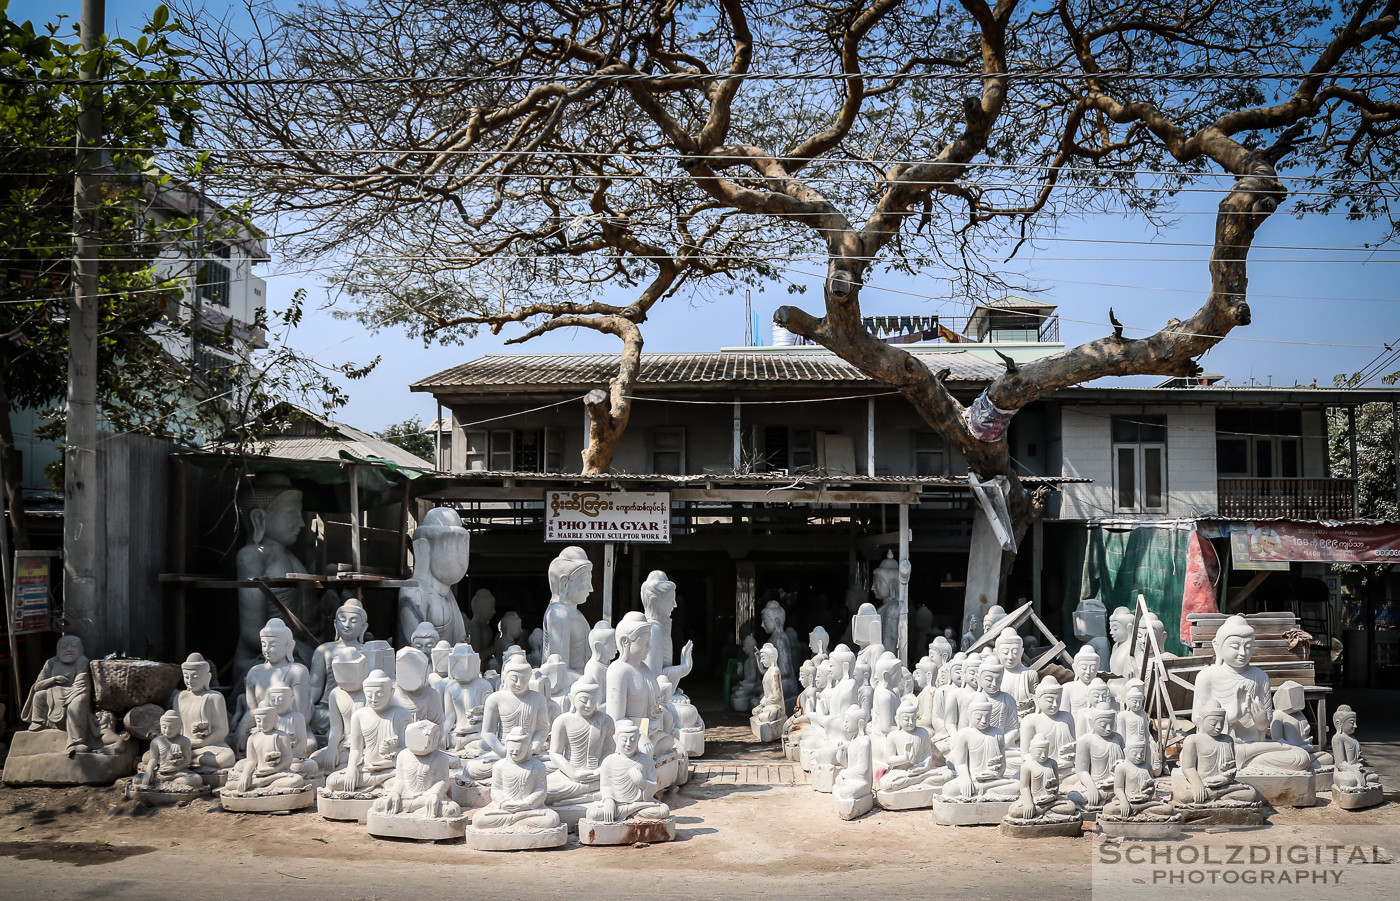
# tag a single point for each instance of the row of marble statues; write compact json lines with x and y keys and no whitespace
{"x":978,"y":738}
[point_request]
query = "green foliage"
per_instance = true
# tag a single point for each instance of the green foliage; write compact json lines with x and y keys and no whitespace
{"x":1375,"y":457}
{"x":412,"y":436}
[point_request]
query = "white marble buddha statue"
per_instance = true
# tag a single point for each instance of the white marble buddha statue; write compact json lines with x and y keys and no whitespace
{"x":565,"y":629}
{"x":1100,"y":695}
{"x":1120,"y":630}
{"x":1350,"y":774}
{"x":412,"y":691}
{"x":168,"y":764}
{"x":1040,"y":799}
{"x":467,"y":692}
{"x":1004,"y":708}
{"x":940,"y":650}
{"x":1056,"y":726}
{"x":602,"y":650}
{"x":424,"y":637}
{"x":519,"y":789}
{"x":480,"y":631}
{"x":1290,"y":724}
{"x":1135,"y":726}
{"x":908,"y":759}
{"x":863,"y":674}
{"x":1078,"y":691}
{"x":978,"y":758}
{"x":924,"y":691}
{"x":551,"y":679}
{"x":990,"y":620}
{"x":438,"y":676}
{"x":658,"y":596}
{"x":578,"y":742}
{"x":514,"y":706}
{"x":814,"y":733}
{"x":843,"y":692}
{"x":204,"y":718}
{"x":1018,"y":680}
{"x":631,"y":686}
{"x":1096,"y":753}
{"x":800,"y":720}
{"x":945,"y":710}
{"x":351,"y":622}
{"x":1135,"y":788}
{"x":818,"y":641}
{"x":441,"y":549}
{"x":1208,"y":763}
{"x":960,"y":697}
{"x":767,"y":716}
{"x":346,"y":696}
{"x":376,"y":736}
{"x":422,"y":776}
{"x":278,"y":663}
{"x":884,"y":698}
{"x":854,"y":786}
{"x":273,"y":520}
{"x":773,"y":619}
{"x":690,"y":726}
{"x":828,"y":760}
{"x":627,"y":781}
{"x":1091,"y":627}
{"x":271,"y":765}
{"x":291,"y":721}
{"x":1242,"y":691}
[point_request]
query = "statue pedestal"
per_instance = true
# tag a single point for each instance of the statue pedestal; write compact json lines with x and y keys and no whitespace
{"x":214,"y":778}
{"x":1287,"y":790}
{"x":347,"y":806}
{"x":823,"y":778}
{"x":947,"y":812}
{"x":853,"y":808}
{"x":41,"y":758}
{"x":425,"y":829}
{"x":628,"y":832}
{"x":1043,"y":827}
{"x":1357,"y":800}
{"x":1195,"y":816}
{"x":516,"y":839}
{"x":277,"y":802}
{"x":1151,"y":830}
{"x":693,"y":742}
{"x":469,"y":793}
{"x":160,"y":797}
{"x":571,"y":814}
{"x":915,"y":798}
{"x":668,"y":771}
{"x":765,"y":731}
{"x":1322,"y":779}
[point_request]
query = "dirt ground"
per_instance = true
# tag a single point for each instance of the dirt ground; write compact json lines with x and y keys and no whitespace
{"x":734,"y":841}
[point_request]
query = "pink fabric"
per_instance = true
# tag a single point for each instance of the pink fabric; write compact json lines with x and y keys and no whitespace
{"x":1202,"y":572}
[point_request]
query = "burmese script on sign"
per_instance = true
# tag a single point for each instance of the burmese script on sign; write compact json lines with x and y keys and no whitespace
{"x":643,"y":516}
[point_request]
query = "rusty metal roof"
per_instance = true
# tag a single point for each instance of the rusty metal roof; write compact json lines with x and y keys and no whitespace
{"x":584,"y":370}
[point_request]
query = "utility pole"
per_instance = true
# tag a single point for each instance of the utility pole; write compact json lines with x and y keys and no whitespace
{"x":80,"y":552}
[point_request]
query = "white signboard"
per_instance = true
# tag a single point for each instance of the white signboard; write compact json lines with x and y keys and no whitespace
{"x":643,"y":516}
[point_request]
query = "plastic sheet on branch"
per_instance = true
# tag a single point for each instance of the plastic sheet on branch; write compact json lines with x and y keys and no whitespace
{"x":986,"y":420}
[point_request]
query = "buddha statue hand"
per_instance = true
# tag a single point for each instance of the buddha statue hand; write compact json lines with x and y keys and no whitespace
{"x":432,"y":805}
{"x":389,"y":745}
{"x":1092,"y":796}
{"x":965,"y":788}
{"x":393,"y":802}
{"x":273,"y":758}
{"x":200,"y":729}
{"x":637,"y":776}
{"x":608,"y":808}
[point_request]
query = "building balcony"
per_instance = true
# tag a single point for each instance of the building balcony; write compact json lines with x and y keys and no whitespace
{"x":1286,"y":498}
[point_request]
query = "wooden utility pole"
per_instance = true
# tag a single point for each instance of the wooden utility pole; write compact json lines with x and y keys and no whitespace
{"x":80,"y":551}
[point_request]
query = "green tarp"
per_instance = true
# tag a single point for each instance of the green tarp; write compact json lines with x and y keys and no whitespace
{"x":1121,"y":563}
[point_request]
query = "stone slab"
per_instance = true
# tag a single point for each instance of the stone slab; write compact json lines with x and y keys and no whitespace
{"x":516,"y":840}
{"x":970,"y":813}
{"x":1350,"y":800}
{"x":693,"y":742}
{"x":279,"y":803}
{"x":350,"y":810}
{"x":823,"y":779}
{"x":628,"y":832}
{"x":1298,"y":790}
{"x":854,"y":808}
{"x":1160,"y":830}
{"x":155,"y":797}
{"x":570,"y":814}
{"x":667,"y":772}
{"x":765,"y":732}
{"x":915,"y":798}
{"x":469,"y":793}
{"x":806,"y":756}
{"x":425,"y":829}
{"x":41,"y":758}
{"x":1201,"y":817}
{"x":1065,"y":829}
{"x":1323,"y":779}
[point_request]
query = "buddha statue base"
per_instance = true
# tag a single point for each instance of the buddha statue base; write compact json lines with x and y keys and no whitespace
{"x":954,"y":812}
{"x":1322,"y":778}
{"x":270,"y":800}
{"x":854,"y":808}
{"x":916,"y":797}
{"x":824,"y":777}
{"x":164,"y":795}
{"x":1358,"y":799}
{"x":1050,"y":825}
{"x":570,"y":814}
{"x":345,"y":806}
{"x":1143,"y":826}
{"x":467,"y":792}
{"x":517,"y":839}
{"x":1283,"y":790}
{"x":41,"y":758}
{"x":692,"y":741}
{"x":213,"y":778}
{"x":765,"y":731}
{"x":414,"y":826}
{"x":627,"y":832}
{"x":682,"y":769}
{"x":668,"y":771}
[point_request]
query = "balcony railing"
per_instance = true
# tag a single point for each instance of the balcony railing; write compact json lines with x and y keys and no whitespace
{"x":1291,"y":498}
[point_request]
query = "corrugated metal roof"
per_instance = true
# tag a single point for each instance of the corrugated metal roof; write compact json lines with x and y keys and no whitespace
{"x":330,"y":440}
{"x":528,"y":370}
{"x":743,"y":479}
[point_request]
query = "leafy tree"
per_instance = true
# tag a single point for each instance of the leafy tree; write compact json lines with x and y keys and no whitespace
{"x":1375,"y":457}
{"x":412,"y":436}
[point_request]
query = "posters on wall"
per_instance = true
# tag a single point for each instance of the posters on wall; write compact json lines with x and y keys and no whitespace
{"x":33,"y":609}
{"x":1280,"y":543}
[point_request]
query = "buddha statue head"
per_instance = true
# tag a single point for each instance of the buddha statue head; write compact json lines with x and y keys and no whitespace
{"x":570,"y":577}
{"x":906,"y":716}
{"x":1086,"y":664}
{"x":852,"y":722}
{"x":842,"y":660}
{"x":626,"y":735}
{"x":805,"y":674}
{"x":941,"y":650}
{"x":772,"y":618}
{"x":1212,"y":719}
{"x":768,"y":656}
{"x":273,"y":511}
{"x":1039,"y":749}
{"x":411,"y":669}
{"x":379,"y":691}
{"x":351,"y":621}
{"x":1089,"y":619}
{"x":884,"y":579}
{"x":1344,"y":720}
{"x":583,"y":697}
{"x":995,"y":614}
{"x":196,"y":672}
{"x":821,"y":677}
{"x":861,"y":672}
{"x":509,"y":628}
{"x":818,"y":641}
{"x":979,"y":712}
{"x":441,"y":651}
{"x":1048,"y":695}
{"x":279,"y":696}
{"x":1135,"y":751}
{"x":658,"y":597}
{"x":923,"y":673}
{"x":602,"y":641}
{"x":515,"y":676}
{"x":1234,"y":643}
{"x":1100,"y":693}
{"x":483,"y":604}
{"x":464,"y":663}
{"x":350,"y":667}
{"x":517,"y":742}
{"x":1153,"y":623}
{"x":1134,"y":698}
{"x":971,"y":664}
{"x":1102,"y":720}
{"x":441,"y":547}
{"x":1120,"y":624}
{"x":634,"y":638}
{"x":955,"y":669}
{"x":424,"y":638}
{"x":422,"y":737}
{"x":265,"y":719}
{"x":1010,"y":647}
{"x":989,"y":675}
{"x":171,"y":725}
{"x":69,"y":649}
{"x":887,"y":671}
{"x":277,"y":642}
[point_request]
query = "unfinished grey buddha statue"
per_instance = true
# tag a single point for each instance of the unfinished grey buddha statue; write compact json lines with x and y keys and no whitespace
{"x":167,"y":774}
{"x":1206,"y":776}
{"x":1091,"y":627}
{"x":418,"y":791}
{"x":1040,"y":802}
{"x":376,"y":737}
{"x":204,"y":720}
{"x":978,"y":758}
{"x":1242,"y":691}
{"x":278,"y":648}
{"x":1053,"y":724}
{"x":773,"y":618}
{"x":578,"y":742}
{"x":517,"y":818}
{"x":565,"y":629}
{"x":347,"y":695}
{"x":351,"y":622}
{"x":62,"y":697}
{"x":887,"y":582}
{"x":466,"y":698}
{"x":750,"y":687}
{"x":910,"y":772}
{"x":480,"y":631}
{"x":513,"y":707}
{"x":1096,"y":753}
{"x":1354,"y":784}
{"x":658,"y":596}
{"x":441,"y":549}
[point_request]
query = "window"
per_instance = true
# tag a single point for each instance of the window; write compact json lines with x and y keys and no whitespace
{"x":1139,"y":463}
{"x":476,"y":456}
{"x":502,"y":450}
{"x":214,"y":279}
{"x":668,"y":451}
{"x":1259,"y":444}
{"x":515,"y":450}
{"x":777,"y":447}
{"x":930,"y":454}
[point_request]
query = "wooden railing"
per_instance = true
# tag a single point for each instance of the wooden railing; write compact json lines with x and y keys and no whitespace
{"x":1292,"y":498}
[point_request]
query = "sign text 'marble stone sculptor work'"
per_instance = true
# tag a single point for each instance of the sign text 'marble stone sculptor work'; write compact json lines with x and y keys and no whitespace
{"x":608,"y":516}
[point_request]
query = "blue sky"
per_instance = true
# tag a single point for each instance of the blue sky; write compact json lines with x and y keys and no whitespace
{"x":1322,"y":305}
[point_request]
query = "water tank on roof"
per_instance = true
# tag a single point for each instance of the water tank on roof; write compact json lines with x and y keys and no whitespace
{"x":782,"y":337}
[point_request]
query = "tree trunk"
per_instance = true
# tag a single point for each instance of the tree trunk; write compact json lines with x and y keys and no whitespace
{"x":608,"y":411}
{"x":14,"y":476}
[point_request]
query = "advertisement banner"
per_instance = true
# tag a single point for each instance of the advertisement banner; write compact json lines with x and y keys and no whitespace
{"x":1239,"y":554}
{"x":33,"y":605}
{"x":642,"y":516}
{"x":1270,"y":542}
